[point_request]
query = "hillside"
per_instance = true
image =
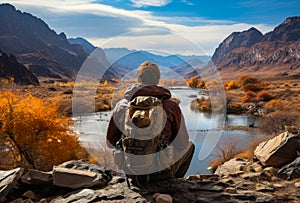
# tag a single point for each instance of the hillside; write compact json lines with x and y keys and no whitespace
{"x":10,"y":68}
{"x":172,"y":66}
{"x":274,"y":54}
{"x":39,"y":48}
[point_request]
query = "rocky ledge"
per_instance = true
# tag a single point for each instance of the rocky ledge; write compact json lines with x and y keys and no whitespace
{"x":238,"y":180}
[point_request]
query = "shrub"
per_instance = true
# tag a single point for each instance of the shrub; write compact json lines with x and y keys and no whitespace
{"x":232,"y":85}
{"x":248,"y":97}
{"x":252,"y":87}
{"x":36,"y":132}
{"x":264,"y":95}
{"x":248,"y":83}
{"x":224,"y":152}
{"x":202,"y":104}
{"x":274,"y":123}
{"x":193,"y":82}
{"x":245,"y":79}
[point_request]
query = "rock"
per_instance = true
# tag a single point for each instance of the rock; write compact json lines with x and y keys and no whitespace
{"x":232,"y":167}
{"x":279,"y":150}
{"x":263,"y":188}
{"x":36,"y":177}
{"x":231,"y":190}
{"x":29,"y":195}
{"x":82,"y":196}
{"x":277,"y":185}
{"x":8,"y":180}
{"x":251,"y":176}
{"x":227,"y":180}
{"x":194,"y":177}
{"x":162,"y":198}
{"x":297,"y":184}
{"x":255,"y":167}
{"x":203,"y":177}
{"x":73,"y":178}
{"x":268,"y":173}
{"x":290,"y":171}
{"x":80,"y":174}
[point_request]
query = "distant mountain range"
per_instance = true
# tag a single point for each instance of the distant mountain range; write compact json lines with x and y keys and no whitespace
{"x":123,"y":61}
{"x":276,"y":53}
{"x":44,"y":53}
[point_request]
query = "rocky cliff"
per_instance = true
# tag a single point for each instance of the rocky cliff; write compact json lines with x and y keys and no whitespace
{"x":274,"y":54}
{"x":38,"y":47}
{"x":11,"y":68}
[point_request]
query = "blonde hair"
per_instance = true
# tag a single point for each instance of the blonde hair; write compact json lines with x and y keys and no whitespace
{"x":148,"y":73}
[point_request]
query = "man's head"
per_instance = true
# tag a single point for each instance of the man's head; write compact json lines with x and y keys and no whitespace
{"x":148,"y":73}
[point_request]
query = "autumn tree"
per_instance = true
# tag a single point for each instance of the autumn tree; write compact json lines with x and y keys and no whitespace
{"x":249,"y":97}
{"x":193,"y":82}
{"x":36,"y":132}
{"x":264,"y":95}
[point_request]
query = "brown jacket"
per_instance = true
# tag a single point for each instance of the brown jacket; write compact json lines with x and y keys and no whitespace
{"x":175,"y":126}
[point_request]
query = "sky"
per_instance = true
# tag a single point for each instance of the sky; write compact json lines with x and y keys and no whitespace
{"x":187,"y":27}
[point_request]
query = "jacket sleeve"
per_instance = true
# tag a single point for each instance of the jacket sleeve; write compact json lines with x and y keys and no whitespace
{"x":176,"y":130}
{"x":114,"y":130}
{"x":113,"y":134}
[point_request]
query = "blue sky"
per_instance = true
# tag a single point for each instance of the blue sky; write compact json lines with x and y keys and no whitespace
{"x":165,"y":26}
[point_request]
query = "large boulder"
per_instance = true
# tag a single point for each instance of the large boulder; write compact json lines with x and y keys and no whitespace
{"x":232,"y":167}
{"x":8,"y":180}
{"x":80,"y":174}
{"x":290,"y":171}
{"x":279,"y":150}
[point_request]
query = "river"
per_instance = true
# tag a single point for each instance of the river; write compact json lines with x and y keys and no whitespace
{"x":204,"y":130}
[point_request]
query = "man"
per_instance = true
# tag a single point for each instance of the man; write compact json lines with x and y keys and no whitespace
{"x":174,"y":131}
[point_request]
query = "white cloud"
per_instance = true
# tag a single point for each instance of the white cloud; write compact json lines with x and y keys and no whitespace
{"x":187,"y":2}
{"x":146,"y":3}
{"x":197,"y":40}
{"x":146,"y":31}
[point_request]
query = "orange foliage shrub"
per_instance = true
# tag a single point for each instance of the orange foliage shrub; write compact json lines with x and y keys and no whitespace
{"x":248,"y":97}
{"x":36,"y":132}
{"x":275,"y":104}
{"x":248,"y":83}
{"x":264,"y":95}
{"x":202,"y":104}
{"x":231,"y":85}
{"x":252,"y":87}
{"x":193,"y":82}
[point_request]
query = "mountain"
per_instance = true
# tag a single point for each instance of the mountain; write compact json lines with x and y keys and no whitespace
{"x":88,"y":48}
{"x":133,"y":58}
{"x":276,"y":53}
{"x":236,"y":40}
{"x":39,"y":48}
{"x":124,"y":61}
{"x":287,"y":31}
{"x":11,"y":68}
{"x":203,"y":59}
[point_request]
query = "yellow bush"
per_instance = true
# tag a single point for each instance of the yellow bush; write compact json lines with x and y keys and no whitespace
{"x":248,"y":97}
{"x":193,"y":82}
{"x":36,"y":131}
{"x":231,"y":85}
{"x":264,"y":95}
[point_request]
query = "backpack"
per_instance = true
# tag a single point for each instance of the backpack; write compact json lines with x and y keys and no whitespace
{"x":145,"y":120}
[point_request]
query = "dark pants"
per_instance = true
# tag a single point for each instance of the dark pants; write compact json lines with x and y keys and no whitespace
{"x":177,"y":170}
